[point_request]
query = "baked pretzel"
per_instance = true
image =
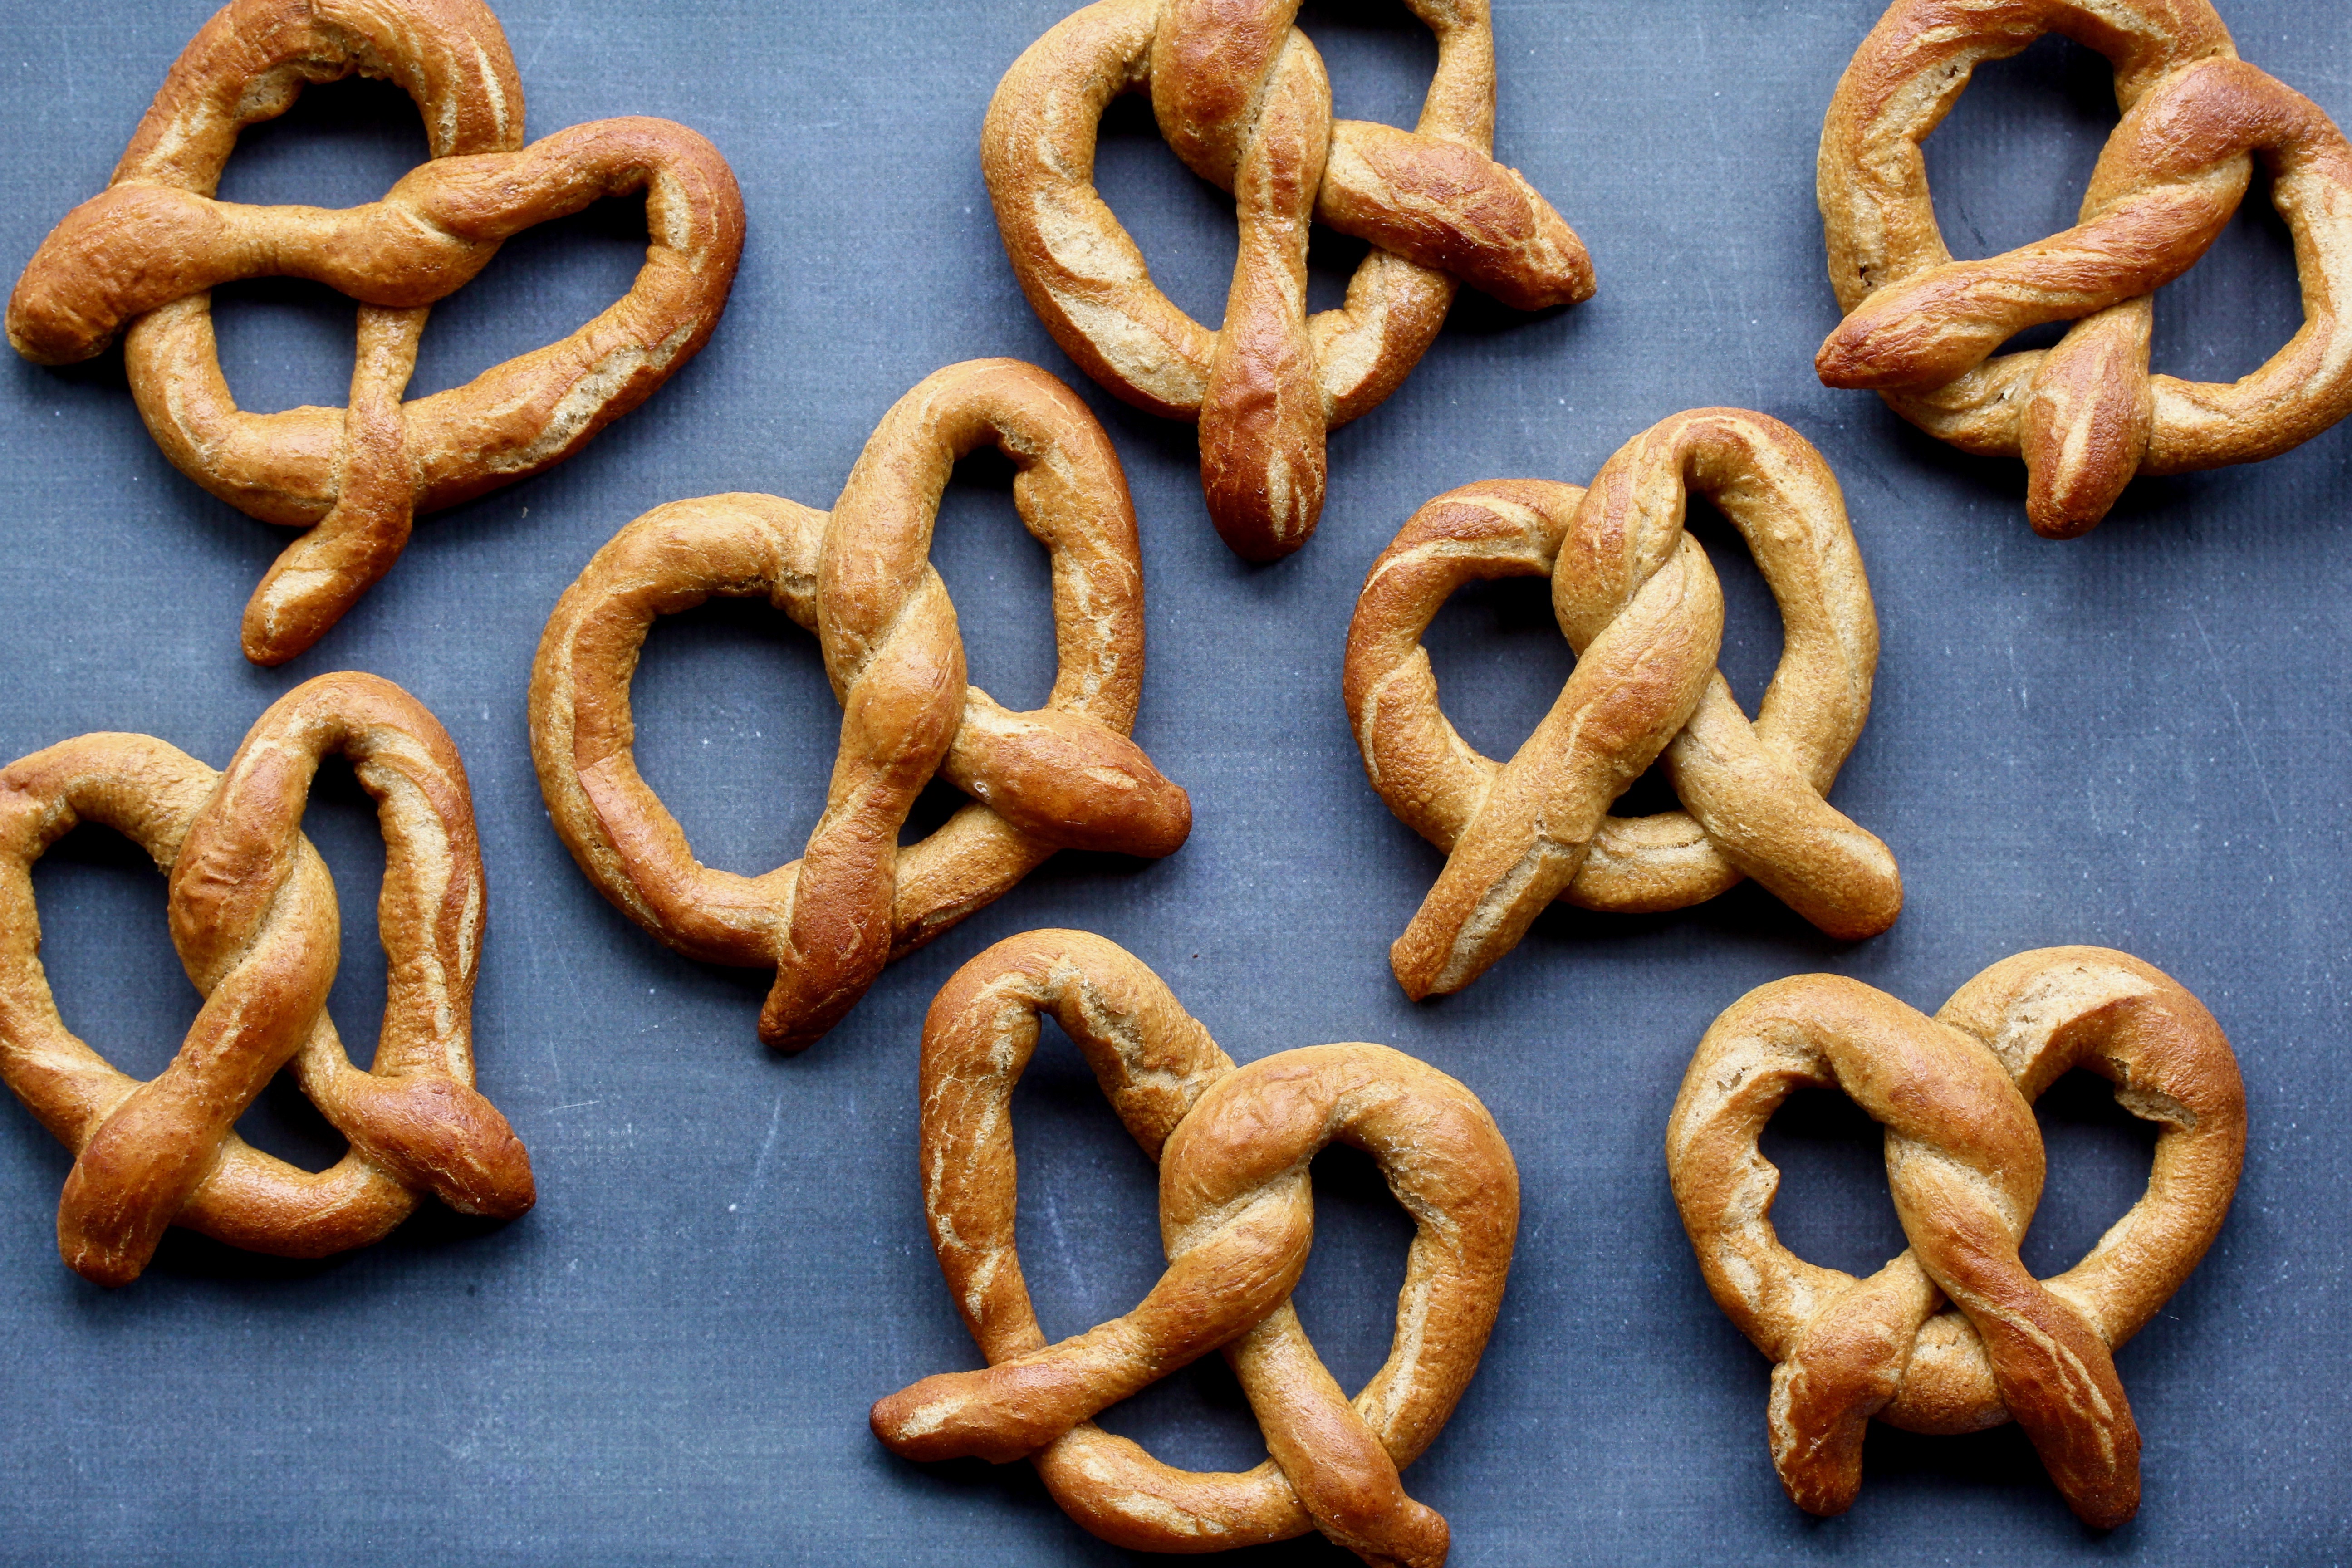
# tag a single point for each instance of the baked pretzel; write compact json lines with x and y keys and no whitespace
{"x":1237,"y":1218}
{"x":1242,"y":97}
{"x":1965,"y":1161}
{"x":253,"y":915}
{"x":2086,"y":416}
{"x":144,"y":252}
{"x":1639,"y":601}
{"x":1063,"y":776}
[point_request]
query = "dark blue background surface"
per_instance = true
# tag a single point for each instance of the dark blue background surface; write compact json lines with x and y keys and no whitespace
{"x":2137,"y":739}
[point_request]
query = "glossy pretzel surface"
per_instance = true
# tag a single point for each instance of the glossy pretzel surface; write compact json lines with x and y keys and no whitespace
{"x":2087,"y":416}
{"x":1243,"y":97}
{"x":139,"y":258}
{"x":1637,"y":599}
{"x":1062,"y":776}
{"x":1954,"y":1335}
{"x":254,"y":918}
{"x":1236,"y":1219}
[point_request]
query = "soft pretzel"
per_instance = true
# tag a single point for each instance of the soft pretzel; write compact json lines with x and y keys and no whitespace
{"x":143,"y":253}
{"x":2086,"y":416}
{"x":253,"y":915}
{"x":1064,"y":776}
{"x":1242,"y":97}
{"x":1236,"y":1217}
{"x":1637,"y":599}
{"x":1965,"y":1161}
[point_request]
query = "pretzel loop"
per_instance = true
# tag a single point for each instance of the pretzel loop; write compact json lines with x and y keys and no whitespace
{"x":1066,"y":775}
{"x":1243,"y":97}
{"x":140,"y":257}
{"x":1965,"y":1161}
{"x":1236,"y":1214}
{"x":1638,"y":601}
{"x":254,"y":918}
{"x":2086,"y":416}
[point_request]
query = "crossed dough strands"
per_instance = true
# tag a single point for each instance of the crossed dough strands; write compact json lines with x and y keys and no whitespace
{"x":1064,"y":776}
{"x":1243,"y":97}
{"x":1237,"y":1217}
{"x":1964,"y":1160}
{"x":253,"y":916}
{"x":1639,"y":601}
{"x":2086,"y":416}
{"x":143,"y":254}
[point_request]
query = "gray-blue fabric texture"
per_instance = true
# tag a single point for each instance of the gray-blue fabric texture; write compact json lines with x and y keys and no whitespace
{"x":2136,"y":739}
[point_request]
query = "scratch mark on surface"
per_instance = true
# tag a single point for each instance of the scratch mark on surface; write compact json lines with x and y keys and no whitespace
{"x":2245,"y":739}
{"x":767,"y":1149}
{"x":1062,"y":1243}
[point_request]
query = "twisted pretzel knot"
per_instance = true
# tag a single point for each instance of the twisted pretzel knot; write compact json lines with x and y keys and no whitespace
{"x":254,"y":918}
{"x":1237,"y":1219}
{"x":2086,"y":416}
{"x":1965,"y":1161}
{"x":1243,"y":97}
{"x":1639,"y":601}
{"x":146,"y":252}
{"x":1063,"y":776}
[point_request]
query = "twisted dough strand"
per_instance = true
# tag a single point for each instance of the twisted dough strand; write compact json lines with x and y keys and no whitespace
{"x":253,"y":916}
{"x":1965,"y":1162}
{"x":1066,"y":775}
{"x":140,"y":258}
{"x":1236,"y":1218}
{"x":1639,"y":601}
{"x":2086,"y":416}
{"x":1243,"y":97}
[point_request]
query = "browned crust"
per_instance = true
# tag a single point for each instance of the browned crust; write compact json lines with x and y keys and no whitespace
{"x":1964,"y":1159}
{"x":141,"y":257}
{"x":1639,"y":601}
{"x":253,"y":915}
{"x":1063,"y":776}
{"x":2087,"y":416}
{"x":1236,"y":1218}
{"x":1242,"y":99}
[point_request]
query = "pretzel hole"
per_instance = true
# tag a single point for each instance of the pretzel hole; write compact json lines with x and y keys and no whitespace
{"x":1002,"y":580}
{"x":2010,"y":161}
{"x":735,"y":730}
{"x":1331,"y":262}
{"x":1184,"y":224}
{"x":1833,"y":1207}
{"x":285,"y":342}
{"x":106,"y":944}
{"x":544,"y":284}
{"x":1958,"y":1470}
{"x":1499,"y":659}
{"x":342,"y":143}
{"x":2099,"y":1156}
{"x":2225,"y":316}
{"x":1378,"y":54}
{"x":1348,"y":1298}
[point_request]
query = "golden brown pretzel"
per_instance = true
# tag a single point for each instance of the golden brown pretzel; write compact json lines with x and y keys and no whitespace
{"x":144,"y":252}
{"x":2086,"y":416}
{"x":1064,"y":776}
{"x":1237,"y":1218}
{"x":1638,"y":601}
{"x":1964,"y":1159}
{"x":253,"y":915}
{"x":1242,"y":97}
